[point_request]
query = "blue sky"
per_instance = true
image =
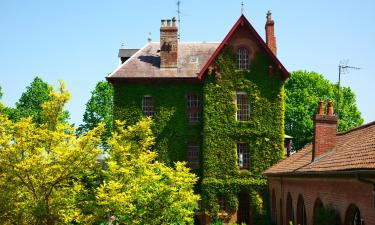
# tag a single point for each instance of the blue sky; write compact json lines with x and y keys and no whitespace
{"x":78,"y":41}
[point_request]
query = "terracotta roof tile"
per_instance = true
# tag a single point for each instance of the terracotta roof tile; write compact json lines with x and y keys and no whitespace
{"x":355,"y":150}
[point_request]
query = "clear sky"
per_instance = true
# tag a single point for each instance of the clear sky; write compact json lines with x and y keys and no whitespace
{"x":78,"y":41}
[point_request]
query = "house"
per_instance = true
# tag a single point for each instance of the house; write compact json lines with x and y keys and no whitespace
{"x":217,"y":105}
{"x":336,"y":172}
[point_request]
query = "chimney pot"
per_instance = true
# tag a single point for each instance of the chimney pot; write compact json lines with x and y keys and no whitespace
{"x":321,"y":108}
{"x":325,"y":127}
{"x":330,"y":108}
{"x":163,"y":23}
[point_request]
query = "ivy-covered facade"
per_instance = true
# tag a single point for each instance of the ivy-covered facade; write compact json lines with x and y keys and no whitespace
{"x":217,"y":106}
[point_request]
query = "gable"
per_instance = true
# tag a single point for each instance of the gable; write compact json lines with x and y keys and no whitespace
{"x":243,"y":34}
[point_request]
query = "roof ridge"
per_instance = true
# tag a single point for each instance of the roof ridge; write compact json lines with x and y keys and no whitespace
{"x":356,"y":128}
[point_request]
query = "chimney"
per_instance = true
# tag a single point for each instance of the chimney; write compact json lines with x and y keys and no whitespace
{"x":325,"y":127}
{"x":270,"y":33}
{"x":168,"y":43}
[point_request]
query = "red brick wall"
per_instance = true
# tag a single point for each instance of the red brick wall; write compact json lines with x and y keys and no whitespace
{"x":338,"y":192}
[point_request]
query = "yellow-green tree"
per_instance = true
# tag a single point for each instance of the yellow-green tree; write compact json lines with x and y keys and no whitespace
{"x":41,"y":166}
{"x":140,"y":190}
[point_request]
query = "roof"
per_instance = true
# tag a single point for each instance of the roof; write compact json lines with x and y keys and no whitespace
{"x":146,"y":62}
{"x":243,"y":21}
{"x":355,"y":150}
{"x":127,"y":52}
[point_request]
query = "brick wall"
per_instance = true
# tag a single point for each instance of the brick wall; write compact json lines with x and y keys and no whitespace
{"x":338,"y":192}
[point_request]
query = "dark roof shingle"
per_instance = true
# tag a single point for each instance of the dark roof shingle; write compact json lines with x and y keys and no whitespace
{"x":146,"y":62}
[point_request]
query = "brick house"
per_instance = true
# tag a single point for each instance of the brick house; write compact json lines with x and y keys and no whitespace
{"x":216,"y":105}
{"x":336,"y":171}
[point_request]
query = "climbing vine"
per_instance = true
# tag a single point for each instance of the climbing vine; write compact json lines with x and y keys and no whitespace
{"x":219,"y":131}
{"x":263,"y":132}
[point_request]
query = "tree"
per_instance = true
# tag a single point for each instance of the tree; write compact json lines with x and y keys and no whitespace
{"x":41,"y":166}
{"x":99,"y":109}
{"x":140,"y":190}
{"x":303,"y":92}
{"x":31,"y":101}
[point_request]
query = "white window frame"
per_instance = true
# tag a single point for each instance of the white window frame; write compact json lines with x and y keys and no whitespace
{"x":242,"y":116}
{"x":243,"y":58}
{"x":243,"y":156}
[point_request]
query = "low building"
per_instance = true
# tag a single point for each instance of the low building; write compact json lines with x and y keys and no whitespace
{"x":336,"y":171}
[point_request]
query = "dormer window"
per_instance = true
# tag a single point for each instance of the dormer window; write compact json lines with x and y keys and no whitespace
{"x":243,"y":58}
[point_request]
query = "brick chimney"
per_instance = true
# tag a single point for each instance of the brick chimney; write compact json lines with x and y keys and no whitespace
{"x":168,"y":43}
{"x":325,"y":127}
{"x":270,"y":33}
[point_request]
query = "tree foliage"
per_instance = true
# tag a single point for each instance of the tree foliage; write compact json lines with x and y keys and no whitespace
{"x":31,"y":101}
{"x":50,"y":176}
{"x":140,"y":190}
{"x":99,"y":109}
{"x":41,"y":165}
{"x":303,"y":92}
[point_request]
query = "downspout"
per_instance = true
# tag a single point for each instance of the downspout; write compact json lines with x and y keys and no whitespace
{"x":360,"y":179}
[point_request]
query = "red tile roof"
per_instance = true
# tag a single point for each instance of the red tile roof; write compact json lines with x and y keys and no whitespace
{"x":355,"y":150}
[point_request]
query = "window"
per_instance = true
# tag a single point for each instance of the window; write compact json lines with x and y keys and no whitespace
{"x":148,"y":105}
{"x":243,"y":58}
{"x":243,"y":107}
{"x":223,"y":205}
{"x":353,"y":216}
{"x":301,"y":212}
{"x":289,"y":210}
{"x":193,"y":110}
{"x":243,"y":156}
{"x":193,"y":155}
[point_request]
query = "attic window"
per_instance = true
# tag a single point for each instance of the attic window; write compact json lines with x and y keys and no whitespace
{"x":193,"y":59}
{"x":243,"y":58}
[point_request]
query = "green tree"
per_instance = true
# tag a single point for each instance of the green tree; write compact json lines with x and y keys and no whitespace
{"x":41,"y":166}
{"x":140,"y":190}
{"x":99,"y":109}
{"x":31,"y":101}
{"x":303,"y":92}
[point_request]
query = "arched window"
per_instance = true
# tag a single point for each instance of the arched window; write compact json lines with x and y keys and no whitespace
{"x":289,"y":210}
{"x":273,"y":207}
{"x":243,"y":58}
{"x":353,"y":216}
{"x":281,"y":212}
{"x":301,"y":211}
{"x":318,"y":208}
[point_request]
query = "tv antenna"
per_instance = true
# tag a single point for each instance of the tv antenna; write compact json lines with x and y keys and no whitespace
{"x":343,"y":69}
{"x":179,"y":19}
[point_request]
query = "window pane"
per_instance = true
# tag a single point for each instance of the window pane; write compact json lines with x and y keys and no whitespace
{"x":243,"y":107}
{"x":243,"y":58}
{"x":193,"y":110}
{"x":243,"y":156}
{"x":193,"y":155}
{"x":148,"y":106}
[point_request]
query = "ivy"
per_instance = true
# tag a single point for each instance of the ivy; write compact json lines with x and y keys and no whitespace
{"x":218,"y":132}
{"x":221,"y":131}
